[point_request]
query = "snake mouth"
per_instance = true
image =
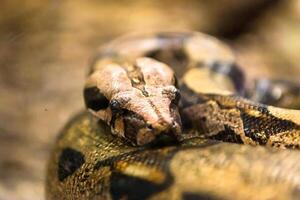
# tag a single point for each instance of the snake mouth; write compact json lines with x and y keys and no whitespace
{"x":139,"y":132}
{"x":152,"y":135}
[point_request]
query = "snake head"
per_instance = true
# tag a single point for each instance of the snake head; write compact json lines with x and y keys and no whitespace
{"x":139,"y":101}
{"x":141,"y":119}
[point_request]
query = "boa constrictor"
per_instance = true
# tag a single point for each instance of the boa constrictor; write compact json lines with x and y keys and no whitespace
{"x":148,"y":136}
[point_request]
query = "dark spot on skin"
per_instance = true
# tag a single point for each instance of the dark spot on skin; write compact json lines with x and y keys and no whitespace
{"x":69,"y":161}
{"x":227,"y":135}
{"x":94,"y":99}
{"x":128,"y":187}
{"x":131,"y":187}
{"x":199,"y":196}
{"x":234,"y":73}
{"x":255,"y":127}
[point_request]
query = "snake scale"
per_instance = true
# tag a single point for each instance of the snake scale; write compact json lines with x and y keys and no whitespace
{"x":169,"y":117}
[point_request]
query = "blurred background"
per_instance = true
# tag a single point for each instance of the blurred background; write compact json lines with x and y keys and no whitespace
{"x":45,"y":48}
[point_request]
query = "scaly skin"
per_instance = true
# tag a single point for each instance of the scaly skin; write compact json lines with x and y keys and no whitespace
{"x":211,"y":86}
{"x":89,"y":164}
{"x":118,"y":149}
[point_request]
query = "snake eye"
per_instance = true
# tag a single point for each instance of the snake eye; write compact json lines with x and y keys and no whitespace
{"x":176,"y":96}
{"x":115,"y":106}
{"x":172,"y":93}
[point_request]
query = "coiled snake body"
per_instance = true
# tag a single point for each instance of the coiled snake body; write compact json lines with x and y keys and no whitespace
{"x":148,"y":136}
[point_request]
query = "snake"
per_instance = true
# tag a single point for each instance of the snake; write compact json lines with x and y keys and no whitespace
{"x":169,"y":116}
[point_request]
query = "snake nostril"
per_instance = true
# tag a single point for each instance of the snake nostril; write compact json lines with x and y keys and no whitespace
{"x":174,"y":125}
{"x":149,"y":126}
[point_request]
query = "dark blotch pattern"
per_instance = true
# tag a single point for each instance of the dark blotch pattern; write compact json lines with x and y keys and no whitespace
{"x":228,"y":135}
{"x":127,"y":187}
{"x":94,"y":99}
{"x":69,"y":161}
{"x":261,"y":128}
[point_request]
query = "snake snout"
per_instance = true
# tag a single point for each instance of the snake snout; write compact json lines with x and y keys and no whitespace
{"x":154,"y":132}
{"x":172,"y":129}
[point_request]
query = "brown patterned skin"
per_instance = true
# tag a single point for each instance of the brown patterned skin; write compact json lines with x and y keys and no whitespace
{"x":139,"y":92}
{"x":88,"y":163}
{"x":132,"y":93}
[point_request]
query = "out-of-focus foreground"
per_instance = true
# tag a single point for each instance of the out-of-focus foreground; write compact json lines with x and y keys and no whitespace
{"x":45,"y":47}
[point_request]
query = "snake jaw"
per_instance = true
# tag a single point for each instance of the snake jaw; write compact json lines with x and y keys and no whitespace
{"x":144,"y":127}
{"x":146,"y":135}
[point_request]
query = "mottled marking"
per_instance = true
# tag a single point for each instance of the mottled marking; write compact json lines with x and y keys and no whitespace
{"x":260,"y":128}
{"x":288,"y":114}
{"x":194,"y":166}
{"x":69,"y":161}
{"x":228,"y":135}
